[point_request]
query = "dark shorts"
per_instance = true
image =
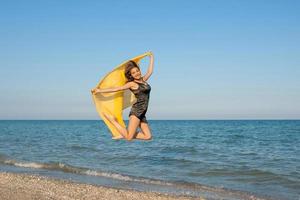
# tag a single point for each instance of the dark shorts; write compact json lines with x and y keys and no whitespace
{"x":142,"y":117}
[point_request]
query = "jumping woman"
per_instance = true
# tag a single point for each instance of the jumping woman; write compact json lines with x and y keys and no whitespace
{"x":141,"y":89}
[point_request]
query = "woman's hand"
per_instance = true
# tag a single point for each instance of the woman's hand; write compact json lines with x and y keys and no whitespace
{"x":95,"y":91}
{"x":150,"y":53}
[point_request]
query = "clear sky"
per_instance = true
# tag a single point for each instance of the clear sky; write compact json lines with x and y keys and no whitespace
{"x":213,"y":59}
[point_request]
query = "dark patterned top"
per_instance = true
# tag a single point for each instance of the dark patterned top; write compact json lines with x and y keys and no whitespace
{"x":142,"y":94}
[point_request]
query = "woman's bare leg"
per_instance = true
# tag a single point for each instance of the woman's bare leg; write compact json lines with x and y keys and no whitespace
{"x":114,"y":121}
{"x":145,"y":134}
{"x":133,"y":124}
{"x":132,"y":127}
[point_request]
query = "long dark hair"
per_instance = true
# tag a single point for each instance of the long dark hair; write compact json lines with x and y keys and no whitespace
{"x":130,"y":65}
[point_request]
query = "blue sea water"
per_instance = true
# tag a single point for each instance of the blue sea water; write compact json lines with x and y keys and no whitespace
{"x":216,"y":159}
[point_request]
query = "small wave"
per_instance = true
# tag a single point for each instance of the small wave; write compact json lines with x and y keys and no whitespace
{"x":125,"y":178}
{"x":83,"y":171}
{"x":23,"y":164}
{"x":82,"y":148}
{"x":90,"y":172}
{"x":179,"y":161}
{"x":179,"y":149}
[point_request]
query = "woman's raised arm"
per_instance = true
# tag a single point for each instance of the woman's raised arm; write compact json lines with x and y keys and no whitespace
{"x":115,"y":89}
{"x":150,"y":68}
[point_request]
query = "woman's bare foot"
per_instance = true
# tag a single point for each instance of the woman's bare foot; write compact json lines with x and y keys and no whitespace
{"x":118,"y":137}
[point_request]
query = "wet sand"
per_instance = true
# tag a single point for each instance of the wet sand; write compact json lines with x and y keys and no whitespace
{"x":28,"y":187}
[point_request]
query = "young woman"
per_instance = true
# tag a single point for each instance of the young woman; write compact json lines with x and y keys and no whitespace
{"x":141,"y":89}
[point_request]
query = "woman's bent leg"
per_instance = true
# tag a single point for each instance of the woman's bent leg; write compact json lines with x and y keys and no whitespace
{"x":145,"y":134}
{"x":132,"y":126}
{"x":118,"y":126}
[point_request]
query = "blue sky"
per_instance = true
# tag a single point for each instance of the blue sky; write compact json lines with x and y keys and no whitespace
{"x":213,"y":59}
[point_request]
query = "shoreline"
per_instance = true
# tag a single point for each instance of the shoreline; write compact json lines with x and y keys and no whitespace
{"x":28,"y":186}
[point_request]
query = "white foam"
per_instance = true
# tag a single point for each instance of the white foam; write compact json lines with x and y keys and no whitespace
{"x":124,"y":178}
{"x":23,"y":164}
{"x":86,"y":172}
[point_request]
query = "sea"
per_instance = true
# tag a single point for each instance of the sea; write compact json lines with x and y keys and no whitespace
{"x":214,"y":159}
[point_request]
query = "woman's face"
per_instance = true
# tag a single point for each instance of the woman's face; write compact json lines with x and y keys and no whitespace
{"x":135,"y":73}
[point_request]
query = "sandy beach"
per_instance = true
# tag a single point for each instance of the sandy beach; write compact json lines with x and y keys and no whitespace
{"x":24,"y":186}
